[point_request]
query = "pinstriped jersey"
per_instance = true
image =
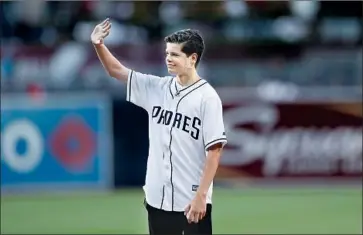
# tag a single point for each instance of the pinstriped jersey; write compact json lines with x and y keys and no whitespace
{"x":183,"y":123}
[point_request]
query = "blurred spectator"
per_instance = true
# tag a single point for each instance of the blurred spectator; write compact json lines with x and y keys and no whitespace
{"x":232,"y":31}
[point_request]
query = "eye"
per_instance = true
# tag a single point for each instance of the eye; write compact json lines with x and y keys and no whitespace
{"x":171,"y":54}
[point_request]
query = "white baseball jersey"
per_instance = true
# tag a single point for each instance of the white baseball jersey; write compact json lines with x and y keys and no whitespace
{"x":183,"y":123}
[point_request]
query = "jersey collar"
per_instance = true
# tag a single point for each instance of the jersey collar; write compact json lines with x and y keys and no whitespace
{"x":177,"y":92}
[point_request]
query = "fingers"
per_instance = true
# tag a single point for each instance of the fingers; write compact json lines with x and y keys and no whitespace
{"x":187,"y":209}
{"x":105,"y":21}
{"x":192,"y":217}
{"x":195,"y":217}
{"x":201,"y":215}
{"x":106,"y":26}
{"x":105,"y":34}
{"x":106,"y":29}
{"x":189,"y":217}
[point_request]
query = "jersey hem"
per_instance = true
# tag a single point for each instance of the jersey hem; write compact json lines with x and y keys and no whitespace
{"x":156,"y":205}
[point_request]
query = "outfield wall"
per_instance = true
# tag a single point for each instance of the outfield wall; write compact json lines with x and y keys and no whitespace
{"x":305,"y":133}
{"x":56,"y":142}
{"x":95,"y":141}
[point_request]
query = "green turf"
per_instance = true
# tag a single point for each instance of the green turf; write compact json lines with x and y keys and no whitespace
{"x":286,"y":211}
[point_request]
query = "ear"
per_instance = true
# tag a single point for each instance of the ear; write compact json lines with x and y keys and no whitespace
{"x":194,"y":58}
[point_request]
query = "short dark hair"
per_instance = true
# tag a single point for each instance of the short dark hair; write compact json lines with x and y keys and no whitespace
{"x":191,"y":40}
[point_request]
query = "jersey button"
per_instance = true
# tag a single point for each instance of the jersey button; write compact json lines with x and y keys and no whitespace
{"x":166,"y":163}
{"x":167,"y":168}
{"x":166,"y":180}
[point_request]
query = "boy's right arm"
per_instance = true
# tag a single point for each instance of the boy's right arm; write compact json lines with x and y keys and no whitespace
{"x":140,"y":86}
{"x":113,"y":67}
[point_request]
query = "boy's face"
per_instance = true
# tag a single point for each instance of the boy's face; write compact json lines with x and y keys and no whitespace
{"x":177,"y":61}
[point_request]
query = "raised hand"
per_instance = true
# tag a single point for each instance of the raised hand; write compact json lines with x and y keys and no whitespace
{"x":101,"y":31}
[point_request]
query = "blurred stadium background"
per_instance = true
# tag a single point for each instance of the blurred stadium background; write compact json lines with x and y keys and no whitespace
{"x":73,"y":151}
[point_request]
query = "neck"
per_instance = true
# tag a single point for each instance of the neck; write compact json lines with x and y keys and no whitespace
{"x":188,"y":78}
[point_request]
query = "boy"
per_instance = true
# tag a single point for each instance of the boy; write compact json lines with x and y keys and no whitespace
{"x":186,"y":133}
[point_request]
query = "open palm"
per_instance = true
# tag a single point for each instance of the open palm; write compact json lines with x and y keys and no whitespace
{"x":101,"y":31}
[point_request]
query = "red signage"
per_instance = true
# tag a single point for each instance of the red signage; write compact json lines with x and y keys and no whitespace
{"x":73,"y":144}
{"x":292,"y":139}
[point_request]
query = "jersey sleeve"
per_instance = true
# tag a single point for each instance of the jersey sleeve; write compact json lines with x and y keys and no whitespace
{"x":140,"y":86}
{"x":213,"y":125}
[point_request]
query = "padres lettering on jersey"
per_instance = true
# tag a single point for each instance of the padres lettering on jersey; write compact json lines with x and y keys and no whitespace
{"x":190,"y":125}
{"x":183,"y":124}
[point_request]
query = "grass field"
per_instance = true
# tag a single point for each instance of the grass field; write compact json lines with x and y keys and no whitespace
{"x":289,"y":211}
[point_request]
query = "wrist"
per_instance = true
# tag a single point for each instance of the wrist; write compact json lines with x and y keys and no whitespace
{"x":97,"y":44}
{"x":202,"y":194}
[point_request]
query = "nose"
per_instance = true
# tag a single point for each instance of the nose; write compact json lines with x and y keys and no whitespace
{"x":168,"y":59}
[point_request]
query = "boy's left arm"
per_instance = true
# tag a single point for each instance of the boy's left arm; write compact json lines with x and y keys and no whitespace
{"x":210,"y":169}
{"x":197,"y":208}
{"x":214,"y":140}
